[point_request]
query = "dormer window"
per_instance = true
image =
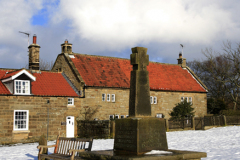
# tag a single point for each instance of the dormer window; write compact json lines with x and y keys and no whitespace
{"x":18,"y":82}
{"x":22,"y":86}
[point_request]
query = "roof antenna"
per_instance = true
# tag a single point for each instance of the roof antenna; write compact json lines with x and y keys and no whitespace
{"x":182,"y":48}
{"x":26,"y":34}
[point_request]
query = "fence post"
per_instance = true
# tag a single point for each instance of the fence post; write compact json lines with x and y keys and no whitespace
{"x":183,"y":122}
{"x":166,"y":125}
{"x":112,"y":129}
{"x":224,"y":120}
{"x":193,"y":122}
{"x":202,"y":122}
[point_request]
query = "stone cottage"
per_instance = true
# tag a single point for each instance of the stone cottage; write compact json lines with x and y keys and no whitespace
{"x":105,"y":81}
{"x":80,"y":86}
{"x":34,"y":102}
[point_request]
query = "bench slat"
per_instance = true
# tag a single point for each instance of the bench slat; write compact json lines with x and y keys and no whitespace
{"x":63,"y":145}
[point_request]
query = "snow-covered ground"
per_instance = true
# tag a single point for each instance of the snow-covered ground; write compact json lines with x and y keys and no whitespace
{"x":221,"y":143}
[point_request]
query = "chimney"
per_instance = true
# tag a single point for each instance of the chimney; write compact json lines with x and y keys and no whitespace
{"x":34,"y":54}
{"x":181,"y":61}
{"x":34,"y":39}
{"x":66,"y":47}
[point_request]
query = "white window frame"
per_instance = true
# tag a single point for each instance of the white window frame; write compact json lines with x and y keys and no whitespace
{"x":186,"y":98}
{"x":159,"y":115}
{"x":155,"y":100}
{"x":113,"y":97}
{"x":71,"y":100}
{"x":190,"y":99}
{"x":14,"y":119}
{"x":108,"y":97}
{"x":103,"y":97}
{"x":21,"y":87}
{"x":182,"y":99}
{"x":122,"y":116}
{"x":151,"y":99}
{"x":116,"y":116}
{"x":127,"y":116}
{"x":111,"y":117}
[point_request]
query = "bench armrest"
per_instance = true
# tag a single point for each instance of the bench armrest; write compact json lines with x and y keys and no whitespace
{"x":73,"y":151}
{"x":40,"y":147}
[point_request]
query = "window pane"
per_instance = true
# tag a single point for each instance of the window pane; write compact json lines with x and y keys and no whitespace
{"x":20,"y":120}
{"x":103,"y":97}
{"x":26,"y":87}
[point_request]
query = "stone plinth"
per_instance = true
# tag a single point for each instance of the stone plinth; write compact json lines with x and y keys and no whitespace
{"x":137,"y":136}
{"x":176,"y":155}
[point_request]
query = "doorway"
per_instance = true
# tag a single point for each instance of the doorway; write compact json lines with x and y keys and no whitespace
{"x":70,"y":126}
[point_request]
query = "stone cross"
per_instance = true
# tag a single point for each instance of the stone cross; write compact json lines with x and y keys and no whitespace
{"x":139,"y":100}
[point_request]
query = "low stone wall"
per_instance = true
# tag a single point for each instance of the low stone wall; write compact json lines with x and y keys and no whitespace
{"x":95,"y":129}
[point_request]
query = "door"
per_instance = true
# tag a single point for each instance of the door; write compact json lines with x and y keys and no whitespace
{"x":70,"y":126}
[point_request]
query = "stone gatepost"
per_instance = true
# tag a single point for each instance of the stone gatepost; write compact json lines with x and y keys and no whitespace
{"x":139,"y":133}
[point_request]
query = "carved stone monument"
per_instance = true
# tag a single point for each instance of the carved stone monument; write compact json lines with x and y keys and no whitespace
{"x":140,"y":133}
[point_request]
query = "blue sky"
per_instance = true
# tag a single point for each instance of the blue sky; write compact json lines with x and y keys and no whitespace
{"x":112,"y":28}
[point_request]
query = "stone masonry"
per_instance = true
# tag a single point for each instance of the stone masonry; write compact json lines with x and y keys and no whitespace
{"x":165,"y":102}
{"x":37,"y":106}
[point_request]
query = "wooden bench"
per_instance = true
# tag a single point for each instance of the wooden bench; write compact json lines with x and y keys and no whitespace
{"x":66,"y":148}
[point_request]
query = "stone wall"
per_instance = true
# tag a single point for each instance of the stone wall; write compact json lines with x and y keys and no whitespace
{"x":37,"y":107}
{"x":62,"y":64}
{"x":165,"y":102}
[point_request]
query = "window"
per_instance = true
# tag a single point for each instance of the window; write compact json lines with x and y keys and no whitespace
{"x":111,"y":117}
{"x":127,"y":116}
{"x":113,"y":97}
{"x":103,"y":97}
{"x":155,"y":100}
{"x":151,"y":99}
{"x":108,"y":97}
{"x":122,"y":116}
{"x":182,"y":99}
{"x":20,"y":120}
{"x":190,"y":99}
{"x":70,"y":101}
{"x":116,"y":116}
{"x":186,"y":98}
{"x":22,"y":87}
{"x":159,"y":115}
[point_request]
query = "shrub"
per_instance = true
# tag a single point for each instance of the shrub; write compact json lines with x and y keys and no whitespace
{"x":181,"y":110}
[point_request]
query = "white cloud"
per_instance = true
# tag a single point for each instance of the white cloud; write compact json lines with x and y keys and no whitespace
{"x":122,"y":23}
{"x":112,"y":28}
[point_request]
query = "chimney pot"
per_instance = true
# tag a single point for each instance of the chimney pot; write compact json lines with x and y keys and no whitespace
{"x":180,"y":55}
{"x":34,"y":39}
{"x":66,"y":41}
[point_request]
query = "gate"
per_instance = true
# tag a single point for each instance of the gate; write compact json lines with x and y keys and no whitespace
{"x":199,"y":123}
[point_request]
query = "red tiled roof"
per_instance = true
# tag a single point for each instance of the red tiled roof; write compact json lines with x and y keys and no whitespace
{"x":3,"y":88}
{"x":9,"y":74}
{"x":115,"y":72}
{"x":51,"y":84}
{"x":46,"y":84}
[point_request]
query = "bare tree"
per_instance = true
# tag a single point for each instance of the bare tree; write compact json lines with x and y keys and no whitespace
{"x":88,"y":113}
{"x":220,"y":72}
{"x":43,"y":64}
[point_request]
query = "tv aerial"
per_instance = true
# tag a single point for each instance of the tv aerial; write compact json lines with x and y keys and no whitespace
{"x":26,"y":34}
{"x":182,"y":48}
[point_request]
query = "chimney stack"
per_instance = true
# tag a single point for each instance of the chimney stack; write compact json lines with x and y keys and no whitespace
{"x":34,"y":54}
{"x":66,"y":47}
{"x":182,"y":61}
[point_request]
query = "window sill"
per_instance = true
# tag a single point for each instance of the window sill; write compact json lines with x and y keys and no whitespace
{"x":71,"y":106}
{"x":24,"y":94}
{"x":20,"y":131}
